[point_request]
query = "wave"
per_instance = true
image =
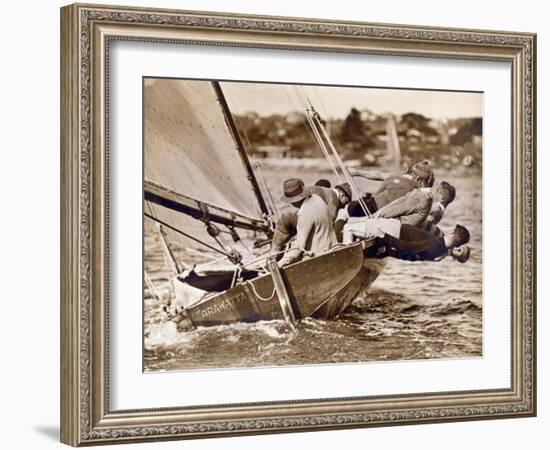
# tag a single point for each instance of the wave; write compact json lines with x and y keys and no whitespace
{"x":459,"y":307}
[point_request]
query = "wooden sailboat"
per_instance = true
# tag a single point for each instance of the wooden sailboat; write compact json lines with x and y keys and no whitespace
{"x":193,"y":135}
{"x":323,"y":287}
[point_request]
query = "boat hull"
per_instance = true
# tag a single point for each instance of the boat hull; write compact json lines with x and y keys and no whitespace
{"x":322,"y":287}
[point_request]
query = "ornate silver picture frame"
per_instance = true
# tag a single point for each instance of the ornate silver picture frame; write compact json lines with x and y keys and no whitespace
{"x":87,"y":34}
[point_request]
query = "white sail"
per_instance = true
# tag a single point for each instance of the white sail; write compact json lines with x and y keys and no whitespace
{"x":189,"y":149}
{"x":394,"y":150}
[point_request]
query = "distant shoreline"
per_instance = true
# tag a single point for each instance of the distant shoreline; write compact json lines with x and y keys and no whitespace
{"x":321,"y":165}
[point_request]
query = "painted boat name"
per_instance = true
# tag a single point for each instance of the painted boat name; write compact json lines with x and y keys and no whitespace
{"x":222,"y":306}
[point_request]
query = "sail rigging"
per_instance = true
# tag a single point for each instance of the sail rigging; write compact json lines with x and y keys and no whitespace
{"x":240,"y":148}
{"x":195,"y":168}
{"x":199,"y":182}
{"x":200,"y":191}
{"x":327,"y":146}
{"x":200,"y":210}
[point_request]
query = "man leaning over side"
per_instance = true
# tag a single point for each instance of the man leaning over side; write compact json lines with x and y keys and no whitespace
{"x":412,"y":243}
{"x":394,"y":187}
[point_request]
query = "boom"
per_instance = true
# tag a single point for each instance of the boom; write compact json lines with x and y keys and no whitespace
{"x":201,"y":210}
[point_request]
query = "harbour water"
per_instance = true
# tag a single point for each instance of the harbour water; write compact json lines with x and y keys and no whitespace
{"x":414,"y":310}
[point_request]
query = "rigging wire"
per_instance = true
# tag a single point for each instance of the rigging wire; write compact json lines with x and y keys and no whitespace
{"x":225,"y":246}
{"x":151,"y":286}
{"x":213,"y":259}
{"x":228,"y":255}
{"x":315,"y":120}
{"x":309,"y":128}
{"x":333,"y":138}
{"x":323,"y":108}
{"x":316,"y":92}
{"x":170,"y":258}
{"x":271,"y":201}
{"x":215,"y":233}
{"x":344,"y":169}
{"x":309,"y":107}
{"x":306,"y":105}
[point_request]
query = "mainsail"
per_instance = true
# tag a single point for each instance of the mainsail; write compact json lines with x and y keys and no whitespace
{"x":195,"y":169}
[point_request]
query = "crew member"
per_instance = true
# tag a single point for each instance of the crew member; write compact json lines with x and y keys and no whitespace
{"x":314,"y":228}
{"x":409,"y":242}
{"x":412,"y":208}
{"x":444,"y":195}
{"x":285,"y":228}
{"x":323,"y":182}
{"x":335,"y":198}
{"x":419,"y":175}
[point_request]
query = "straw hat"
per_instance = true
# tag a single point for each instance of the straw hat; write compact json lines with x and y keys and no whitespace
{"x":293,"y":190}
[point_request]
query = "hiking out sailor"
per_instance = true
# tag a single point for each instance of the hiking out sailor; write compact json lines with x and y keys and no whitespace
{"x":409,"y":242}
{"x":443,"y":197}
{"x":314,"y":228}
{"x":413,"y":208}
{"x":419,"y":175}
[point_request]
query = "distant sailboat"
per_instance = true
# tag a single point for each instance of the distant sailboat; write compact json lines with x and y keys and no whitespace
{"x":200,"y":186}
{"x":393,"y":147}
{"x":369,"y":181}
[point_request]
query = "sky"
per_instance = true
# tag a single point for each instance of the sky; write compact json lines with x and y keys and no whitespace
{"x":336,"y":102}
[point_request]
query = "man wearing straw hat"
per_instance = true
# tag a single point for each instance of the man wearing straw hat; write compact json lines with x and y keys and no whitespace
{"x":314,"y":228}
{"x":336,"y":197}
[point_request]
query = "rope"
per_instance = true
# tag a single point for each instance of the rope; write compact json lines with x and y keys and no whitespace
{"x":316,"y":135}
{"x":188,"y":235}
{"x":218,"y":241}
{"x":315,"y":122}
{"x":213,"y":260}
{"x":274,"y":211}
{"x":151,"y":286}
{"x":258,"y":296}
{"x":323,"y":147}
{"x":169,"y":256}
{"x":305,"y":102}
{"x":344,"y":169}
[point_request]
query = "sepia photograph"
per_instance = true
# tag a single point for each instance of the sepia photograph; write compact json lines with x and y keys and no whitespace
{"x":294,"y":224}
{"x":274,"y":224}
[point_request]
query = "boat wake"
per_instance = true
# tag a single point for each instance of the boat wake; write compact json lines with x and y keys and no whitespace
{"x":379,"y":326}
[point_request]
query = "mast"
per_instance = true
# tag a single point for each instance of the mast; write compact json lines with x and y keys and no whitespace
{"x":240,"y":147}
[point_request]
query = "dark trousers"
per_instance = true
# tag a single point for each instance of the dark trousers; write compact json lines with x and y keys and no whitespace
{"x":355,"y":209}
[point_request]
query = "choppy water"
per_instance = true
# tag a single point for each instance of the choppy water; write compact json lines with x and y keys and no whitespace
{"x":414,"y":310}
